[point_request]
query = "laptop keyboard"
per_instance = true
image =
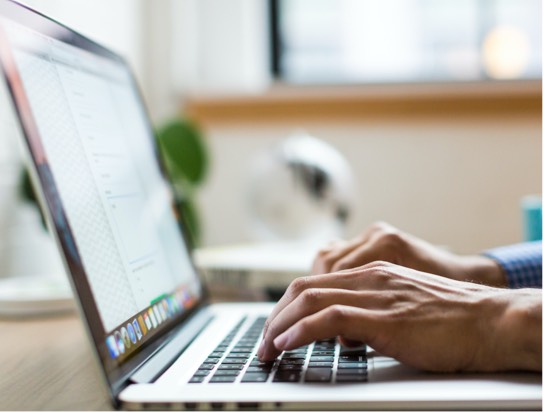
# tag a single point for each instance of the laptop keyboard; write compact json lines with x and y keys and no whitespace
{"x":235,"y":360}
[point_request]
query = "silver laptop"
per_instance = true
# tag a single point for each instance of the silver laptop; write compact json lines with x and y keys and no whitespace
{"x":157,"y":340}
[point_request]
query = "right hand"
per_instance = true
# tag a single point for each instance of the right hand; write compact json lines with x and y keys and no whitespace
{"x":423,"y":320}
{"x":383,"y":242}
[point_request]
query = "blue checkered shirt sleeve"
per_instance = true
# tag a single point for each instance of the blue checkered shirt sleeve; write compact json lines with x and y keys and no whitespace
{"x":522,"y":263}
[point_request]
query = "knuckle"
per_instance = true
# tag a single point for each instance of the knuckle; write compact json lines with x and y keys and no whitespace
{"x":337,"y":314}
{"x":381,"y":275}
{"x":310,"y":297}
{"x":341,"y":265}
{"x":338,"y":266}
{"x":382,"y":265}
{"x":328,"y":261}
{"x":392,"y":240}
{"x":380,"y":226}
{"x":378,"y":265}
{"x":323,"y":251}
{"x":298,"y":285}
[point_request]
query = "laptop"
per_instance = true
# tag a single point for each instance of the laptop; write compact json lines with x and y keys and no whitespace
{"x":158,"y":341}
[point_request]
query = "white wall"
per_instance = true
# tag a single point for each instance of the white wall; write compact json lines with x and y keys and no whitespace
{"x":455,"y":182}
{"x":114,"y":23}
{"x":476,"y":169}
{"x":220,"y":46}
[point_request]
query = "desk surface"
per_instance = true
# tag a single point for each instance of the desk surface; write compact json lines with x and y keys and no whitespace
{"x":47,"y":364}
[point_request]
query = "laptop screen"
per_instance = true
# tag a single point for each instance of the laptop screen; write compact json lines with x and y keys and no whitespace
{"x":95,"y":157}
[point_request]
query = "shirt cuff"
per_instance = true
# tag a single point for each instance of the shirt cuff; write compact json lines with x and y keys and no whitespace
{"x":522,"y":263}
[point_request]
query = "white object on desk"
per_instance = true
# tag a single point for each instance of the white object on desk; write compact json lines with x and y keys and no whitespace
{"x":32,"y":277}
{"x":35,"y":295}
{"x":256,"y":266}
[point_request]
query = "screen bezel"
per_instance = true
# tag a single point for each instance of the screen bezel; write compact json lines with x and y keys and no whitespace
{"x":116,"y":374}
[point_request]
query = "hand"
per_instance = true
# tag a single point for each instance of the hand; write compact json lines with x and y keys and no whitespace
{"x":384,"y":242}
{"x":422,"y":320}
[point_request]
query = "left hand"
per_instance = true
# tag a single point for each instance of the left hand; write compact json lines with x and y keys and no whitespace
{"x":426,"y":321}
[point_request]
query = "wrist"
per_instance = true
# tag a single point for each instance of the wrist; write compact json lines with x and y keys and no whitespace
{"x":484,"y":270}
{"x":514,"y":338}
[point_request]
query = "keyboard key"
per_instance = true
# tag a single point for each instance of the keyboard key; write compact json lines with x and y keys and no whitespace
{"x":294,"y":356}
{"x":246,"y":339}
{"x":255,"y":377}
{"x":257,"y":362}
{"x":202,"y":373}
{"x":352,"y":365}
{"x":222,"y":372}
{"x":216,"y":354}
{"x":290,"y":367}
{"x":350,"y":358}
{"x":259,"y":368}
{"x":287,"y":376}
{"x":292,"y":362}
{"x":222,"y":379}
{"x":211,"y":360}
{"x":244,"y":346}
{"x":323,"y":353}
{"x":206,"y":366}
{"x":197,"y":379}
{"x":320,"y":365}
{"x":230,"y":367}
{"x":358,"y":371}
{"x":234,"y":361}
{"x":351,"y":378}
{"x":322,"y":359}
{"x":299,"y":350}
{"x":238,"y":355}
{"x":242,"y":350}
{"x":318,"y":375}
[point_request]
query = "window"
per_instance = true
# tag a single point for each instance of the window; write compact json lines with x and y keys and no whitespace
{"x":389,"y":41}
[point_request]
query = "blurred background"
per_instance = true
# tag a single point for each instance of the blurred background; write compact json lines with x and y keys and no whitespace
{"x":435,"y":105}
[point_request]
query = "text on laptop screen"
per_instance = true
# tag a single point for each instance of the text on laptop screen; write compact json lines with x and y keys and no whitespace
{"x":98,"y":146}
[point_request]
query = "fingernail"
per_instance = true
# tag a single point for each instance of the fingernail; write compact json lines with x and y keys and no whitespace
{"x":261,"y":349}
{"x":281,"y":341}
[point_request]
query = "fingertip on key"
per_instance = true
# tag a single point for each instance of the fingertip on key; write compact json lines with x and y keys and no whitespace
{"x":261,"y":349}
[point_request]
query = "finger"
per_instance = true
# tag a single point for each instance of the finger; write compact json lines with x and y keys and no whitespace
{"x":327,"y":256}
{"x":312,"y":301}
{"x":360,"y":278}
{"x":342,"y":280}
{"x":349,"y":343}
{"x":296,"y":287}
{"x":353,"y":323}
{"x":332,"y":245}
{"x":384,"y":243}
{"x":362,"y":255}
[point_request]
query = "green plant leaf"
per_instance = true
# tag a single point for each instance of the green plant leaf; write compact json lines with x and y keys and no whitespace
{"x":184,"y":151}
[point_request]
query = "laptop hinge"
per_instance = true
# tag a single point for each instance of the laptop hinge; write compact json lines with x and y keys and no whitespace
{"x":166,"y":356}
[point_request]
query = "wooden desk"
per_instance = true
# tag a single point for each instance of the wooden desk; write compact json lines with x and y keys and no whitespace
{"x":46,"y":364}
